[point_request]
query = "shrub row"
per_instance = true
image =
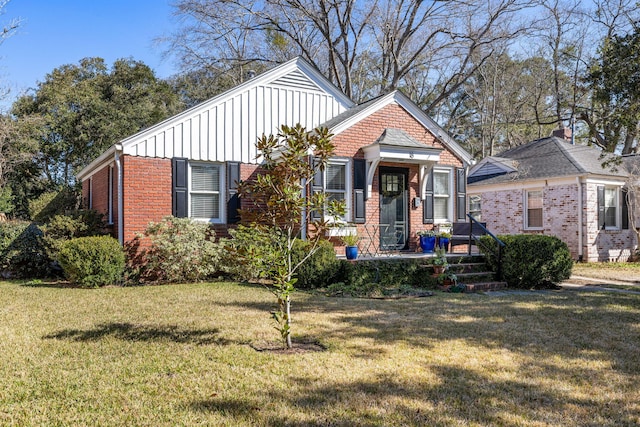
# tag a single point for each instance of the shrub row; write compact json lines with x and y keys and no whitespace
{"x":530,"y":261}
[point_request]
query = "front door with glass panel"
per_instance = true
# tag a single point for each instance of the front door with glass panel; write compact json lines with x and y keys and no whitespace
{"x":393,"y":208}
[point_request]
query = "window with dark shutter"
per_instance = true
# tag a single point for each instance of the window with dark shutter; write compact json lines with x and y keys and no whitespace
{"x":624,"y":207}
{"x":359,"y":188}
{"x":233,"y":200}
{"x":180,"y":177}
{"x":601,"y":212}
{"x":317,"y":185}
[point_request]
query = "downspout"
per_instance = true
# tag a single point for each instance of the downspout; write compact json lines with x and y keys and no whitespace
{"x":580,"y":221}
{"x":118,"y":149}
{"x":303,"y":229}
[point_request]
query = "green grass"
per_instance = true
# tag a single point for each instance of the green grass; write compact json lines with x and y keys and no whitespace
{"x":182,"y":355}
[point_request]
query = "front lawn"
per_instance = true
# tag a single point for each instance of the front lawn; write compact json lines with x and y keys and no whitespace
{"x":184,"y":355}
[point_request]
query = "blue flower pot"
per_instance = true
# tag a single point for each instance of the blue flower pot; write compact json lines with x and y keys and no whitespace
{"x":351,"y":252}
{"x":443,"y":243}
{"x":428,"y":244}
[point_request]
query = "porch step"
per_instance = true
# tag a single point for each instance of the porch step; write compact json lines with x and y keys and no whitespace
{"x":473,"y":272}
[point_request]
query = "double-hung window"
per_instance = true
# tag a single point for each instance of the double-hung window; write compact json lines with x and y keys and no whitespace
{"x":205,"y":185}
{"x":475,"y":206}
{"x":335,"y":182}
{"x":534,"y":209}
{"x":610,"y":207}
{"x":442,"y":199}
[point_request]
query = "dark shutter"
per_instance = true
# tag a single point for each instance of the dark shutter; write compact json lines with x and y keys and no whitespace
{"x":601,"y":213}
{"x":233,"y":198}
{"x":625,"y":208}
{"x":461,"y":194}
{"x":427,"y":206}
{"x":317,"y":185}
{"x":359,"y":189}
{"x":180,"y":186}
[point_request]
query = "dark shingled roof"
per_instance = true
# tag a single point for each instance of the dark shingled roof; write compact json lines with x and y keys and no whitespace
{"x":550,"y":158}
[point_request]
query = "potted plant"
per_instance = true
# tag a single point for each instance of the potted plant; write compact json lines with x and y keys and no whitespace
{"x":447,"y":280}
{"x":440,"y":263}
{"x":351,"y":245}
{"x":427,"y":240}
{"x":443,"y":240}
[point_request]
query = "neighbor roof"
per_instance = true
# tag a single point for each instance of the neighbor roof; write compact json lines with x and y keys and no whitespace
{"x":548,"y":158}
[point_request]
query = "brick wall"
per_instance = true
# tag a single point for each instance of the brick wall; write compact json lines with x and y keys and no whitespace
{"x":604,"y":245}
{"x":367,"y":131}
{"x":146,"y":192}
{"x":503,"y":211}
{"x":99,"y":185}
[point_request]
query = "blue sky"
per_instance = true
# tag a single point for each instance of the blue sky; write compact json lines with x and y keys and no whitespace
{"x":57,"y":32}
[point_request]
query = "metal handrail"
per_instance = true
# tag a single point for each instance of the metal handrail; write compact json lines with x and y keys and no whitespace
{"x":499,"y":242}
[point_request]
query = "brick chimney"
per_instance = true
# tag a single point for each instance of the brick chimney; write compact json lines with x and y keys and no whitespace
{"x":564,"y":133}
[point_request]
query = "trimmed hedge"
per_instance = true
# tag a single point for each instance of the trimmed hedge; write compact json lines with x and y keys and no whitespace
{"x":92,"y":261}
{"x":530,"y":261}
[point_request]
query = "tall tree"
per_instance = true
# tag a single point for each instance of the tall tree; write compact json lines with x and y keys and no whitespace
{"x":85,"y":108}
{"x":614,"y":121}
{"x":365,"y":48}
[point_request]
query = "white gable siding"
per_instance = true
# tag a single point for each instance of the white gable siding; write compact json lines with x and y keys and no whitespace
{"x":227,"y":130}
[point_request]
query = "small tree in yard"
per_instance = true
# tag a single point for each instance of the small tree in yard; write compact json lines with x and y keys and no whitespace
{"x":281,"y":209}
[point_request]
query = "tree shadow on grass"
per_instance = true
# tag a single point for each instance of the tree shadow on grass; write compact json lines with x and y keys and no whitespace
{"x":457,"y":396}
{"x":142,"y":333}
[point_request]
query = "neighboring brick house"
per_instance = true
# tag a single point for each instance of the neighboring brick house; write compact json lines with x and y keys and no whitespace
{"x":189,"y":164}
{"x":550,"y":186}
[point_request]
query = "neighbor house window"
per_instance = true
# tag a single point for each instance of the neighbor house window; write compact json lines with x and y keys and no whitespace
{"x":610,"y":204}
{"x":204,"y":192}
{"x":442,"y":195}
{"x":475,"y":207}
{"x":534,"y":209}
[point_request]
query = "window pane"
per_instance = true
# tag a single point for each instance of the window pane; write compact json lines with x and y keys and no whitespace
{"x":205,"y":178}
{"x":535,"y":217}
{"x":610,"y":217}
{"x":475,"y":207}
{"x":535,"y":200}
{"x":205,"y":206}
{"x":441,"y":208}
{"x":441,"y":183}
{"x":336,"y":177}
{"x":610,"y":197}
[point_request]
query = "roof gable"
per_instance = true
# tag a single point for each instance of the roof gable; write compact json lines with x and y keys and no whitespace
{"x":226,"y":127}
{"x":354,"y":115}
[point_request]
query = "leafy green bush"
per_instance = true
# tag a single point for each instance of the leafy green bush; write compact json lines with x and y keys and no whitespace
{"x":181,"y":250}
{"x":92,"y":261}
{"x":379,"y":277}
{"x":530,"y":261}
{"x":21,"y":251}
{"x":53,"y":203}
{"x":81,"y":223}
{"x":321,"y":269}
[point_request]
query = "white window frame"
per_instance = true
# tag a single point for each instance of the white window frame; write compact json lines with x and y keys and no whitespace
{"x":220,"y":192}
{"x":348,"y":171}
{"x":470,"y":211}
{"x":616,"y":204}
{"x":449,"y":197}
{"x":526,"y":208}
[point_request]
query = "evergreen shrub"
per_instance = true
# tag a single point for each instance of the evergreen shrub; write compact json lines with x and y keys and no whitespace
{"x":92,"y":261}
{"x":530,"y":261}
{"x":321,"y":269}
{"x":22,"y":253}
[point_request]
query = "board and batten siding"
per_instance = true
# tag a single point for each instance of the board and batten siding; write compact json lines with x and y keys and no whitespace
{"x":228,"y":130}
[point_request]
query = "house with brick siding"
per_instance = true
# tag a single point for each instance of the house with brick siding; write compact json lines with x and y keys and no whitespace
{"x":396,"y":169}
{"x":550,"y":186}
